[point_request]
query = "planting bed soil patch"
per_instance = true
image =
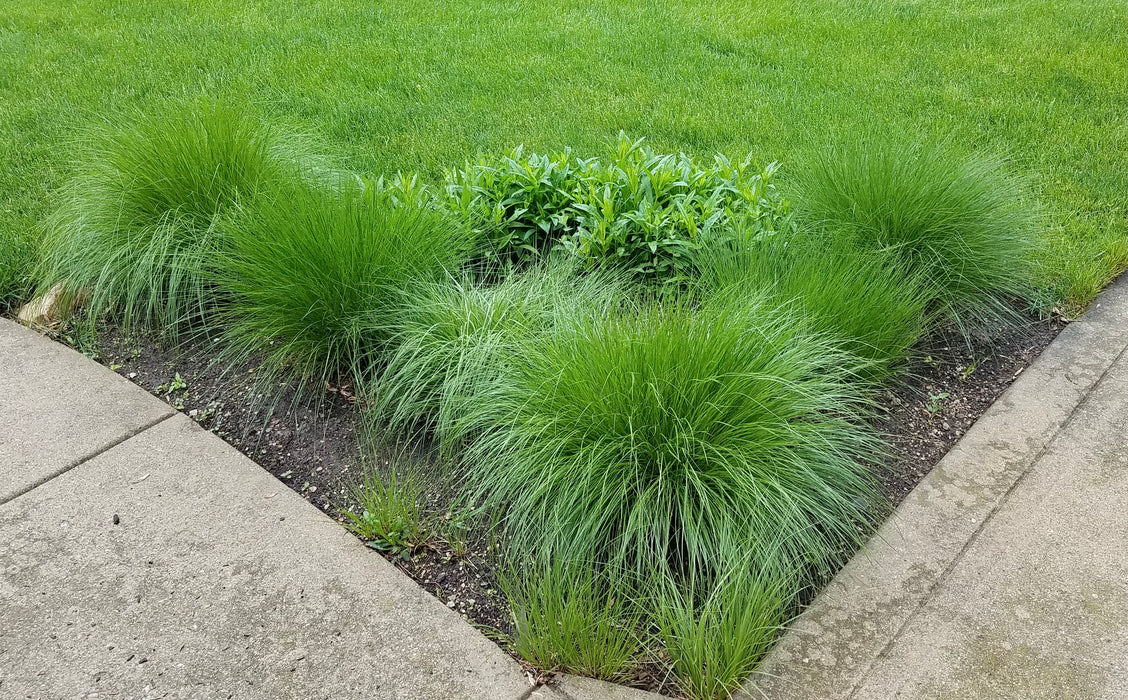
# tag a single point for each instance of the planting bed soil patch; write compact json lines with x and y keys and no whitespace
{"x":945,"y":392}
{"x":314,"y":446}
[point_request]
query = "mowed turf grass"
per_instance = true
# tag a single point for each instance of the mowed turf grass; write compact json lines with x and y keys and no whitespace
{"x":424,"y":84}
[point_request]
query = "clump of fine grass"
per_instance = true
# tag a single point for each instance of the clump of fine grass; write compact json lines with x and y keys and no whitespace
{"x":317,"y":275}
{"x":569,"y":617}
{"x":137,"y":225}
{"x":455,"y":338}
{"x":388,"y":511}
{"x":679,"y":437}
{"x":958,"y":221}
{"x":865,"y":299}
{"x":716,"y":634}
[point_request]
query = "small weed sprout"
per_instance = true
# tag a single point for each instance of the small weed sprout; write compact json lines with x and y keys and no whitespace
{"x":969,"y":370}
{"x":454,"y":528}
{"x":936,"y":403}
{"x":177,"y":384}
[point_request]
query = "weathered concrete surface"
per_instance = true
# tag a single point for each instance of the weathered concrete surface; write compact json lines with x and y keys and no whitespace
{"x":832,"y":650}
{"x":57,"y":408}
{"x":568,"y":687}
{"x":580,"y":688}
{"x":1037,"y":607}
{"x":219,"y":581}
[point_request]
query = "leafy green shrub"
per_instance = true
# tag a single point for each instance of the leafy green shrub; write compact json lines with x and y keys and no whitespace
{"x":647,"y":212}
{"x":401,"y":189}
{"x":637,"y":210}
{"x":318,"y":274}
{"x":137,"y":226}
{"x":866,"y":299}
{"x":454,"y":340}
{"x":672,"y":436}
{"x":523,"y":204}
{"x":568,"y":617}
{"x":716,"y":636}
{"x":957,"y":221}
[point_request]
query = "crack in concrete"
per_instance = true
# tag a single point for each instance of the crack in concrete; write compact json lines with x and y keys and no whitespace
{"x":82,"y":460}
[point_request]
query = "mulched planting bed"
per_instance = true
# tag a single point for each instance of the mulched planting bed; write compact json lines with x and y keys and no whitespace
{"x":314,"y":446}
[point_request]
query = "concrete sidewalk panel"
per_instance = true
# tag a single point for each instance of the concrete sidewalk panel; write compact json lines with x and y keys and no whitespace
{"x":580,"y":688}
{"x":843,"y":633}
{"x":217,"y":581}
{"x":57,"y":408}
{"x":1038,"y":605}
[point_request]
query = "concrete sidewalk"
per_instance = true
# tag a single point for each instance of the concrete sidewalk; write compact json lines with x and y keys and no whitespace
{"x":143,"y":557}
{"x":1004,"y":574}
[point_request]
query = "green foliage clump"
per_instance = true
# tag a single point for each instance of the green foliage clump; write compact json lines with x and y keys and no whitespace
{"x":138,"y":225}
{"x":958,"y":222}
{"x":521,"y":203}
{"x":388,"y":512}
{"x":455,"y":338}
{"x":569,"y":617}
{"x":668,"y":436}
{"x":317,"y":274}
{"x":636,"y":210}
{"x":715,"y":634}
{"x":866,"y":300}
{"x":702,"y":455}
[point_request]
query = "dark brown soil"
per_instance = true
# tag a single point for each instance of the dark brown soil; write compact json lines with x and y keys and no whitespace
{"x":314,"y":445}
{"x":944,"y":392}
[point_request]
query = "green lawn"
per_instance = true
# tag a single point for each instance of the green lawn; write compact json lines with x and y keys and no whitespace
{"x":420,"y":84}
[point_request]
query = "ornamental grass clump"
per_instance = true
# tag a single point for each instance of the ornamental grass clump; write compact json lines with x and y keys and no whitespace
{"x":958,"y":221}
{"x":671,"y":436}
{"x":317,"y":276}
{"x":716,"y":631}
{"x":868,"y":301}
{"x":138,"y":225}
{"x":567,"y":616}
{"x":455,"y":338}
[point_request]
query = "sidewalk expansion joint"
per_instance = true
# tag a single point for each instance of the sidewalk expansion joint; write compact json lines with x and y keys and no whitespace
{"x":82,"y":460}
{"x":857,"y":686}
